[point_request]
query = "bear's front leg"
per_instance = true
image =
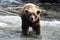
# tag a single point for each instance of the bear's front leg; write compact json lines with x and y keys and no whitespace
{"x":36,"y":28}
{"x":25,"y":29}
{"x":25,"y":26}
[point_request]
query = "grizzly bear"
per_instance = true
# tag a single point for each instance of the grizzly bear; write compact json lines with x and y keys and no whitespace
{"x":30,"y":18}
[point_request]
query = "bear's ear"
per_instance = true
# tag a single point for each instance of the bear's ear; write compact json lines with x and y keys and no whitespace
{"x":38,"y":12}
{"x":26,"y":11}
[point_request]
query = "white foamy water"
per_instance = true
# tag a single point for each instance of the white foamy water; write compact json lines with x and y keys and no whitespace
{"x":51,"y":23}
{"x":10,"y":22}
{"x":16,"y":21}
{"x":50,"y":30}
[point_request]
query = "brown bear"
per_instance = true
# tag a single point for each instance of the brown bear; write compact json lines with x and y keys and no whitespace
{"x":30,"y":18}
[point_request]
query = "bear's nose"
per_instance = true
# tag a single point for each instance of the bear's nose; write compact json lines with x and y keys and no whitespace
{"x":32,"y":19}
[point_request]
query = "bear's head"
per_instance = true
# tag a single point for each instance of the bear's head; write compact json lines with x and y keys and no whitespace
{"x":32,"y":12}
{"x":32,"y":16}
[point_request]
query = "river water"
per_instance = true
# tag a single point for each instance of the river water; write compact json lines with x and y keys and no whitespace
{"x":11,"y":25}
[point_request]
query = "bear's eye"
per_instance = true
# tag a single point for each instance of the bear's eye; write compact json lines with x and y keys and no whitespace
{"x":26,"y":11}
{"x":38,"y":12}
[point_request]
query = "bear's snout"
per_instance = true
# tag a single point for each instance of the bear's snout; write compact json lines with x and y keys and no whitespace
{"x":32,"y":18}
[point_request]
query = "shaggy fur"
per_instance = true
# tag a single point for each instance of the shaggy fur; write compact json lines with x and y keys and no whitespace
{"x":28,"y":10}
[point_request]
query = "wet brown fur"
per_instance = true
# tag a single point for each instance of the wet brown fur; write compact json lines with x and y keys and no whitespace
{"x":31,"y":9}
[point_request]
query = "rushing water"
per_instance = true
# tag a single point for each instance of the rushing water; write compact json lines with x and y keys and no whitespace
{"x":11,"y":25}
